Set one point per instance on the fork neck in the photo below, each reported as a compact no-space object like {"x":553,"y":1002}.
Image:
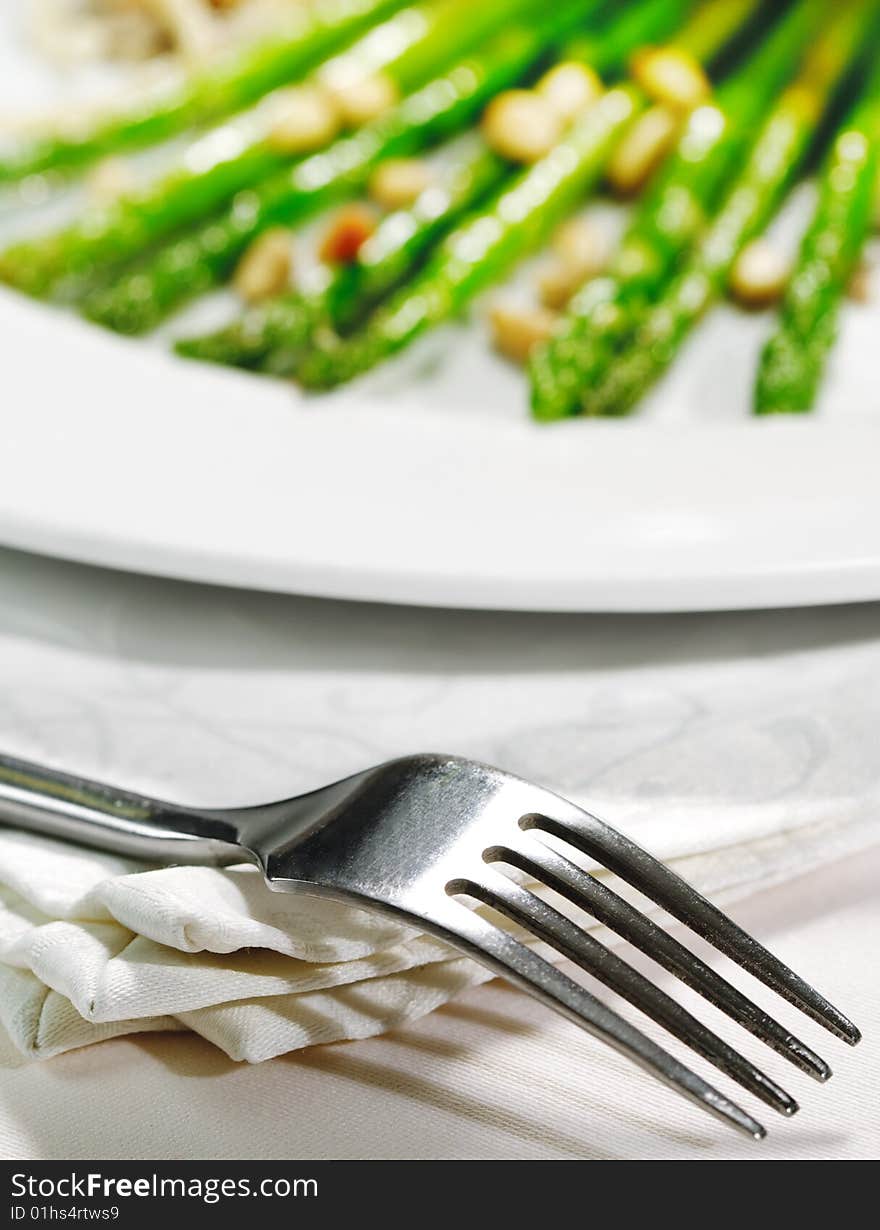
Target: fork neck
{"x":93,"y":814}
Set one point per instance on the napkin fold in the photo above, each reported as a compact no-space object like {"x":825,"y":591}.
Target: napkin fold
{"x":93,"y":946}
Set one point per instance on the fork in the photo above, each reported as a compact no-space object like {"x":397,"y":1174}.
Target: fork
{"x":427,"y":839}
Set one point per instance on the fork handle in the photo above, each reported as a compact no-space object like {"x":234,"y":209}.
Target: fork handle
{"x":90,"y":813}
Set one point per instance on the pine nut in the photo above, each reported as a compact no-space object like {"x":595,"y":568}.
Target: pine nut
{"x":399,"y":182}
{"x":569,"y":88}
{"x":580,"y":252}
{"x":516,"y":330}
{"x":521,"y":125}
{"x":860,"y":284}
{"x":110,"y":180}
{"x":643,"y":147}
{"x":671,"y":76}
{"x":365,"y":100}
{"x":266,"y":266}
{"x":305,"y":118}
{"x":759,"y":275}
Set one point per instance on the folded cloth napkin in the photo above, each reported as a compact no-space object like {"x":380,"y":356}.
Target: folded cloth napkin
{"x":93,"y":946}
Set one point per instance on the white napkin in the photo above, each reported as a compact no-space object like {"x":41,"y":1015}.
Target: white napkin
{"x":93,"y":946}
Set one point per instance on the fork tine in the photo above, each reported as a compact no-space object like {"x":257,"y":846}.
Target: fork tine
{"x":634,"y":865}
{"x":588,"y":893}
{"x":538,"y":978}
{"x":541,"y":920}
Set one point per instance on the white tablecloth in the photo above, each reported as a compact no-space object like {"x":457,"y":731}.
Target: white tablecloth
{"x":221,"y":697}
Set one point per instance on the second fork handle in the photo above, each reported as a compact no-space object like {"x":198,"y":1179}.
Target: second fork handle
{"x":90,"y":813}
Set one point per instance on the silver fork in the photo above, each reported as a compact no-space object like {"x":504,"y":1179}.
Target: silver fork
{"x":420,"y":838}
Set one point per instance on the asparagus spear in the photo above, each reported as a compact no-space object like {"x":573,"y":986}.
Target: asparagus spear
{"x":313,"y":32}
{"x":793,"y":360}
{"x":779,"y":151}
{"x":668,"y":221}
{"x":484,"y":248}
{"x":273,"y":335}
{"x":409,"y":48}
{"x":193,"y":264}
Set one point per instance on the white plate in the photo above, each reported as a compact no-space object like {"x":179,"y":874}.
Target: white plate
{"x":118,"y":454}
{"x":426,"y":483}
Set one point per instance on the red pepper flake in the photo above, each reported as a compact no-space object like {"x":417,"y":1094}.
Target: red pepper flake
{"x":348,"y":231}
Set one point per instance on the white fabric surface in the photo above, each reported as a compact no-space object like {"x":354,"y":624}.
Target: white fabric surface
{"x":742,"y":747}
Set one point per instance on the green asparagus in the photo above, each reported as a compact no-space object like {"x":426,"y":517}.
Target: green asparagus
{"x":314,"y":31}
{"x":779,"y":151}
{"x":273,"y":335}
{"x":607,"y":310}
{"x":794,"y":358}
{"x":202,"y":258}
{"x":485,"y":247}
{"x":410,"y":47}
